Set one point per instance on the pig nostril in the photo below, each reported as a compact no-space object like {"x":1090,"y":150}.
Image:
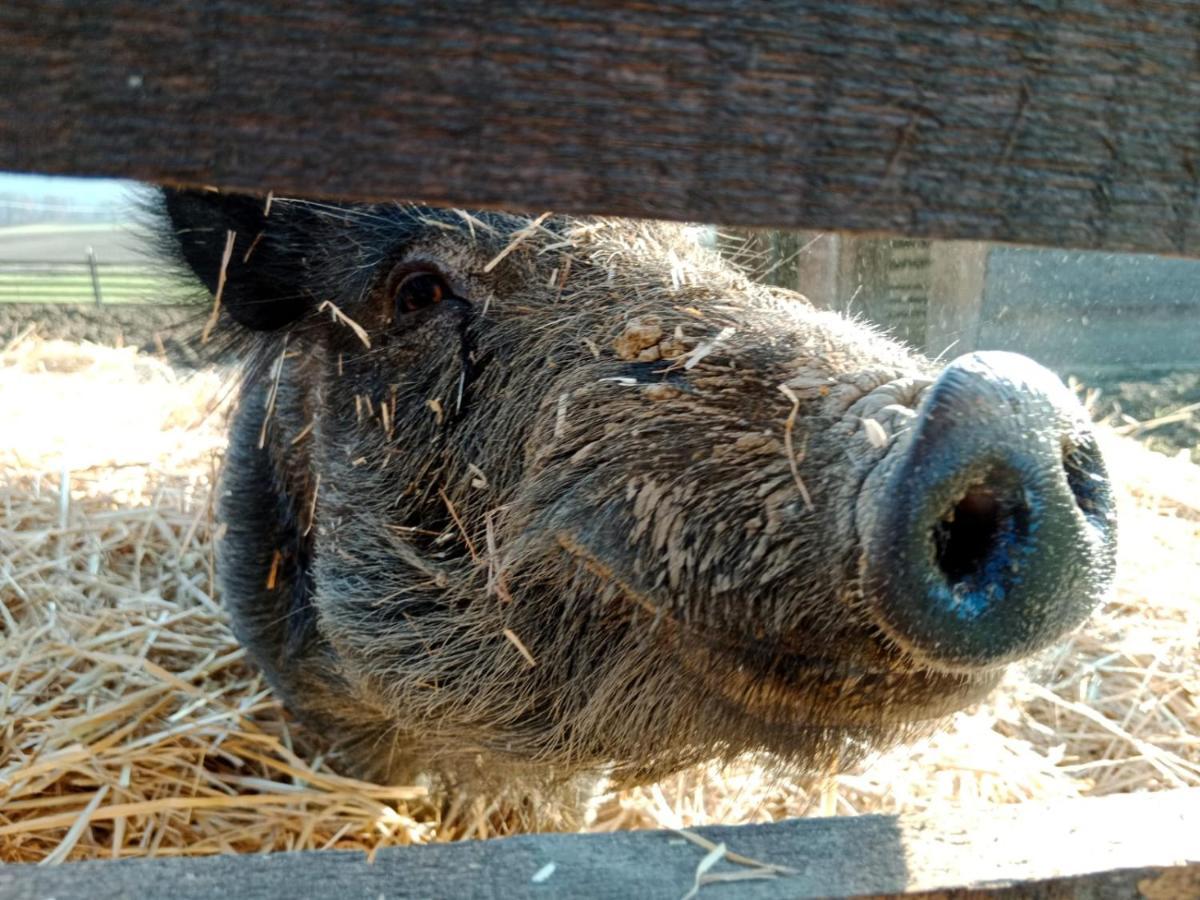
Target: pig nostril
{"x":1085,"y":476}
{"x":977,"y":535}
{"x":963,"y":537}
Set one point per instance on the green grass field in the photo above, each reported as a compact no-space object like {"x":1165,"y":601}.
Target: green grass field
{"x":118,"y":284}
{"x":50,"y":264}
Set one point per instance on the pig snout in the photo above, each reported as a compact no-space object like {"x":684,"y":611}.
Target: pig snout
{"x":991,"y":527}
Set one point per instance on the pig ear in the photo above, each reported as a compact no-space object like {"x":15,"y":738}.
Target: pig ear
{"x":263,"y":287}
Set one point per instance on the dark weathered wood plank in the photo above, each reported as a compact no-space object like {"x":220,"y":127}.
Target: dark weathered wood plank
{"x":1069,"y":123}
{"x":1123,"y":846}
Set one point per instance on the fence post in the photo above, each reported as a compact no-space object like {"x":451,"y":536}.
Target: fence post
{"x":91,"y":257}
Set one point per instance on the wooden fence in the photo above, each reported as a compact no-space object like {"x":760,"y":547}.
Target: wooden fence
{"x":1082,"y":313}
{"x":1138,"y":845}
{"x":1067,"y":123}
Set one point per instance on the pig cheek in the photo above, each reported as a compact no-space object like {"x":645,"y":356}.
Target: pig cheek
{"x":403,"y":384}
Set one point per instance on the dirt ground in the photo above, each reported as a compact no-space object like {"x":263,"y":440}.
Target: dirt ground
{"x":1162,"y":412}
{"x":154,"y":330}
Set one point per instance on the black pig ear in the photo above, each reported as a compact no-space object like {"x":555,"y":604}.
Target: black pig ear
{"x":264,"y":285}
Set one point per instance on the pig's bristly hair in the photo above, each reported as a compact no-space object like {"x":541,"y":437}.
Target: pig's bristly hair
{"x":342,"y":247}
{"x":528,"y":525}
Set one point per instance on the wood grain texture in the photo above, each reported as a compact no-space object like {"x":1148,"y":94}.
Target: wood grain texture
{"x":1139,"y":845}
{"x":1060,"y":122}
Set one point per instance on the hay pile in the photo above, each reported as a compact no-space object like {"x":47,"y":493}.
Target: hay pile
{"x":131,"y":724}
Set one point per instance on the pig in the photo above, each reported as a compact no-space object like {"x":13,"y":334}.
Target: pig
{"x":514,"y":503}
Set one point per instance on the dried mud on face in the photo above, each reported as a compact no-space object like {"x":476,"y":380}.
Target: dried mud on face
{"x":132,"y":724}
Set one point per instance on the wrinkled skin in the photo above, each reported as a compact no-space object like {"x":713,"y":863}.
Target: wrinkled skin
{"x":608,"y":506}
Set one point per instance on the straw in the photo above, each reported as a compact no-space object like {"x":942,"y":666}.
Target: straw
{"x":132,"y":724}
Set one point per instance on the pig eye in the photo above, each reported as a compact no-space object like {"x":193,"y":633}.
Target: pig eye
{"x":419,"y":290}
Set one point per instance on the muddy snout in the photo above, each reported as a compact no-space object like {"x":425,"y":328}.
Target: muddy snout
{"x":989,"y":530}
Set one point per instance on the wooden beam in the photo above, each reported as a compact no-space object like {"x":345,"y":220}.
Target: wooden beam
{"x":957,"y":277}
{"x":1145,"y":845}
{"x":1067,"y":123}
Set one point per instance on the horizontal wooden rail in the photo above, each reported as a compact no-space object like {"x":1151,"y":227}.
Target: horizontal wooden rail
{"x":1140,"y":845}
{"x":1070,"y":123}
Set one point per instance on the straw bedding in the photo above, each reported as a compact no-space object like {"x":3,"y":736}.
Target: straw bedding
{"x":132,"y":725}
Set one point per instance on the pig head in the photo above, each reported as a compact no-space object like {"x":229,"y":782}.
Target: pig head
{"x":561,"y":496}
